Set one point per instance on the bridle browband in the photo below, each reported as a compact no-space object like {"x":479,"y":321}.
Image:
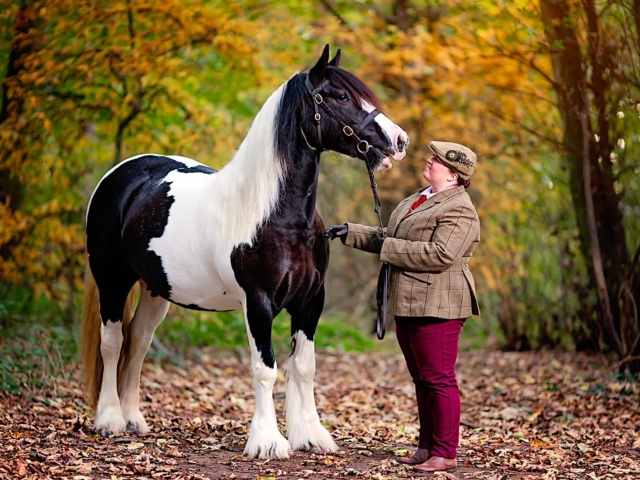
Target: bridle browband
{"x":362,"y":147}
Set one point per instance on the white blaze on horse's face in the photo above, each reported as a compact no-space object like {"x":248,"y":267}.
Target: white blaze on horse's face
{"x":399,"y":138}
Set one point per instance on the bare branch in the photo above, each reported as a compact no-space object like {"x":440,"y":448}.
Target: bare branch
{"x":553,"y":141}
{"x":596,"y":253}
{"x":524,"y":93}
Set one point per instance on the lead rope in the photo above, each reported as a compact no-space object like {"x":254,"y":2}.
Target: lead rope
{"x":362,"y":146}
{"x":383,"y":276}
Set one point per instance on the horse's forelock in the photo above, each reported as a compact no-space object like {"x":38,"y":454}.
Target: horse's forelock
{"x":355,"y":87}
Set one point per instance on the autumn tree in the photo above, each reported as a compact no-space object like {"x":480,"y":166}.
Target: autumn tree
{"x":588,"y":73}
{"x":91,"y":82}
{"x":514,"y":81}
{"x":536,"y":89}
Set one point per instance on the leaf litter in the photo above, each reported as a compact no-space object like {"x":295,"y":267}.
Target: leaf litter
{"x":546,"y":415}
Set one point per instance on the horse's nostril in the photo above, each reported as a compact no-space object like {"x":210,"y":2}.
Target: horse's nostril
{"x":401,"y":145}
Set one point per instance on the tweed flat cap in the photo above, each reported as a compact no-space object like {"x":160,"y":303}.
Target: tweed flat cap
{"x":459,"y":158}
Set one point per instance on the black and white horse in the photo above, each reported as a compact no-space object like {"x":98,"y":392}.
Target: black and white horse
{"x":245,"y":237}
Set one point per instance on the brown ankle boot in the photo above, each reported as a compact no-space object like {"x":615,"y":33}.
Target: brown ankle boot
{"x":410,"y":461}
{"x":437,"y":464}
{"x":417,"y":458}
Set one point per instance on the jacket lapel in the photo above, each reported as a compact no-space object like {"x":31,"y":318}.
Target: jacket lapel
{"x":399,"y":212}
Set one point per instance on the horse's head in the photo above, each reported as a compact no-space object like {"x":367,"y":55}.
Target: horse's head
{"x":346,"y":116}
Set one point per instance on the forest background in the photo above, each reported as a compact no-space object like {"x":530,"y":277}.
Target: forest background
{"x":547,"y":93}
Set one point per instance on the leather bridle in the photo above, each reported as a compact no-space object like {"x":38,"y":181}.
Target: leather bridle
{"x":362,"y":147}
{"x":357,"y":144}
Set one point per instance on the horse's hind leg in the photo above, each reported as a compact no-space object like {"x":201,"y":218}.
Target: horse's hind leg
{"x":150,"y":312}
{"x":304,"y":429}
{"x":113,"y":288}
{"x":265,"y":441}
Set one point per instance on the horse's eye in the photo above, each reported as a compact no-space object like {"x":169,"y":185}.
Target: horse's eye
{"x":343,"y":98}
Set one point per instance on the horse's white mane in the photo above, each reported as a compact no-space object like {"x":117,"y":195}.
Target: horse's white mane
{"x":247,"y":187}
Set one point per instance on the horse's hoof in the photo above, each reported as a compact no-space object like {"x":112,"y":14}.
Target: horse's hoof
{"x":267,"y":444}
{"x":133,"y":428}
{"x":311,"y":437}
{"x":136,"y":424}
{"x":277,"y":452}
{"x":110,"y":422}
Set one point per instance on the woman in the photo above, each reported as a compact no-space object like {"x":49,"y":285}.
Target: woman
{"x":431,"y":236}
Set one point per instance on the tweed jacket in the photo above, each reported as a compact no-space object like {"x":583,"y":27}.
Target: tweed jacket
{"x":428,"y":251}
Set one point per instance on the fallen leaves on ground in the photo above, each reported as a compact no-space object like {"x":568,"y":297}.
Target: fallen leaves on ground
{"x":541,"y":415}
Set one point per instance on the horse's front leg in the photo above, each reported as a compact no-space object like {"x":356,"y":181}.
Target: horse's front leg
{"x":303,"y":424}
{"x":265,"y":441}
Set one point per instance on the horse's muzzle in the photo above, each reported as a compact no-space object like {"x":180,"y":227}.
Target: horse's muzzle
{"x":400,"y":142}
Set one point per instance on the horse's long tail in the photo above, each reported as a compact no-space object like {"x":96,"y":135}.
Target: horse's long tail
{"x":91,"y":357}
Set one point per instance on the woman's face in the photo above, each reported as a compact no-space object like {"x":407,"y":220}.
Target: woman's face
{"x":436,"y":173}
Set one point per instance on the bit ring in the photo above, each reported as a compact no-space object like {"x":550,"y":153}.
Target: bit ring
{"x":366,"y":146}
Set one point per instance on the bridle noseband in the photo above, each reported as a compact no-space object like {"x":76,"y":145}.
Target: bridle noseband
{"x":362,"y":147}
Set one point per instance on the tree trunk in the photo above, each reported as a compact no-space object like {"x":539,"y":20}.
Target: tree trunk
{"x":607,"y":228}
{"x":569,"y":76}
{"x":11,"y":190}
{"x":616,"y":259}
{"x":596,"y":252}
{"x":636,"y":16}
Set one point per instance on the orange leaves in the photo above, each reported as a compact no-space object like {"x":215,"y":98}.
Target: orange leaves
{"x":43,"y":247}
{"x":97,"y":68}
{"x":199,"y":415}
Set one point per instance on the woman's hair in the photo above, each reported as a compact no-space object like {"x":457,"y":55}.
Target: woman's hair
{"x":463,"y":182}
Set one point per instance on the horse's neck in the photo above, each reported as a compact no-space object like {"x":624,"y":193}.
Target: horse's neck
{"x":257,"y":185}
{"x":299,"y":189}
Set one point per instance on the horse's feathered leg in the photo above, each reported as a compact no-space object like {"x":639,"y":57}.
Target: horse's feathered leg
{"x":265,"y":441}
{"x":114,"y":280}
{"x":150,"y":312}
{"x":304,"y":429}
{"x":109,"y":418}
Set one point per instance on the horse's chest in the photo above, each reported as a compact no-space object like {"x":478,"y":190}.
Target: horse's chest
{"x":291,"y":263}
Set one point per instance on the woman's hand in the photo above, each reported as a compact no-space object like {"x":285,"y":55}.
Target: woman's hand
{"x":334,"y":231}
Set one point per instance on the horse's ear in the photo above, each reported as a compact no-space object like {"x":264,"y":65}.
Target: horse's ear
{"x":336,"y":60}
{"x":318,"y":72}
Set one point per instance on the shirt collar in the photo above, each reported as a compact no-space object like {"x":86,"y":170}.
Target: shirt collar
{"x":428,"y":193}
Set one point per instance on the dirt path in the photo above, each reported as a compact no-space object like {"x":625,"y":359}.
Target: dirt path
{"x":542,"y":415}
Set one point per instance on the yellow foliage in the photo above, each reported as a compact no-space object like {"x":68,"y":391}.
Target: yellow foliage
{"x":187,"y":78}
{"x":93,"y":66}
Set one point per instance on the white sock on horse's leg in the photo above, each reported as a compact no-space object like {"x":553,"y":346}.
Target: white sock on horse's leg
{"x":304,"y":429}
{"x":109,"y":418}
{"x":265,"y":440}
{"x":150,"y":312}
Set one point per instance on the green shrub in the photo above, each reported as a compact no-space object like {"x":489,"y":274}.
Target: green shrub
{"x":188,"y":331}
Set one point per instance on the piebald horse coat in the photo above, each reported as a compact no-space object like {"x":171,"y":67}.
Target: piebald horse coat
{"x":245,"y":237}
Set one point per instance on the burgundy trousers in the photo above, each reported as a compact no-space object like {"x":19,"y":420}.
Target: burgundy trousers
{"x":430,"y":347}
